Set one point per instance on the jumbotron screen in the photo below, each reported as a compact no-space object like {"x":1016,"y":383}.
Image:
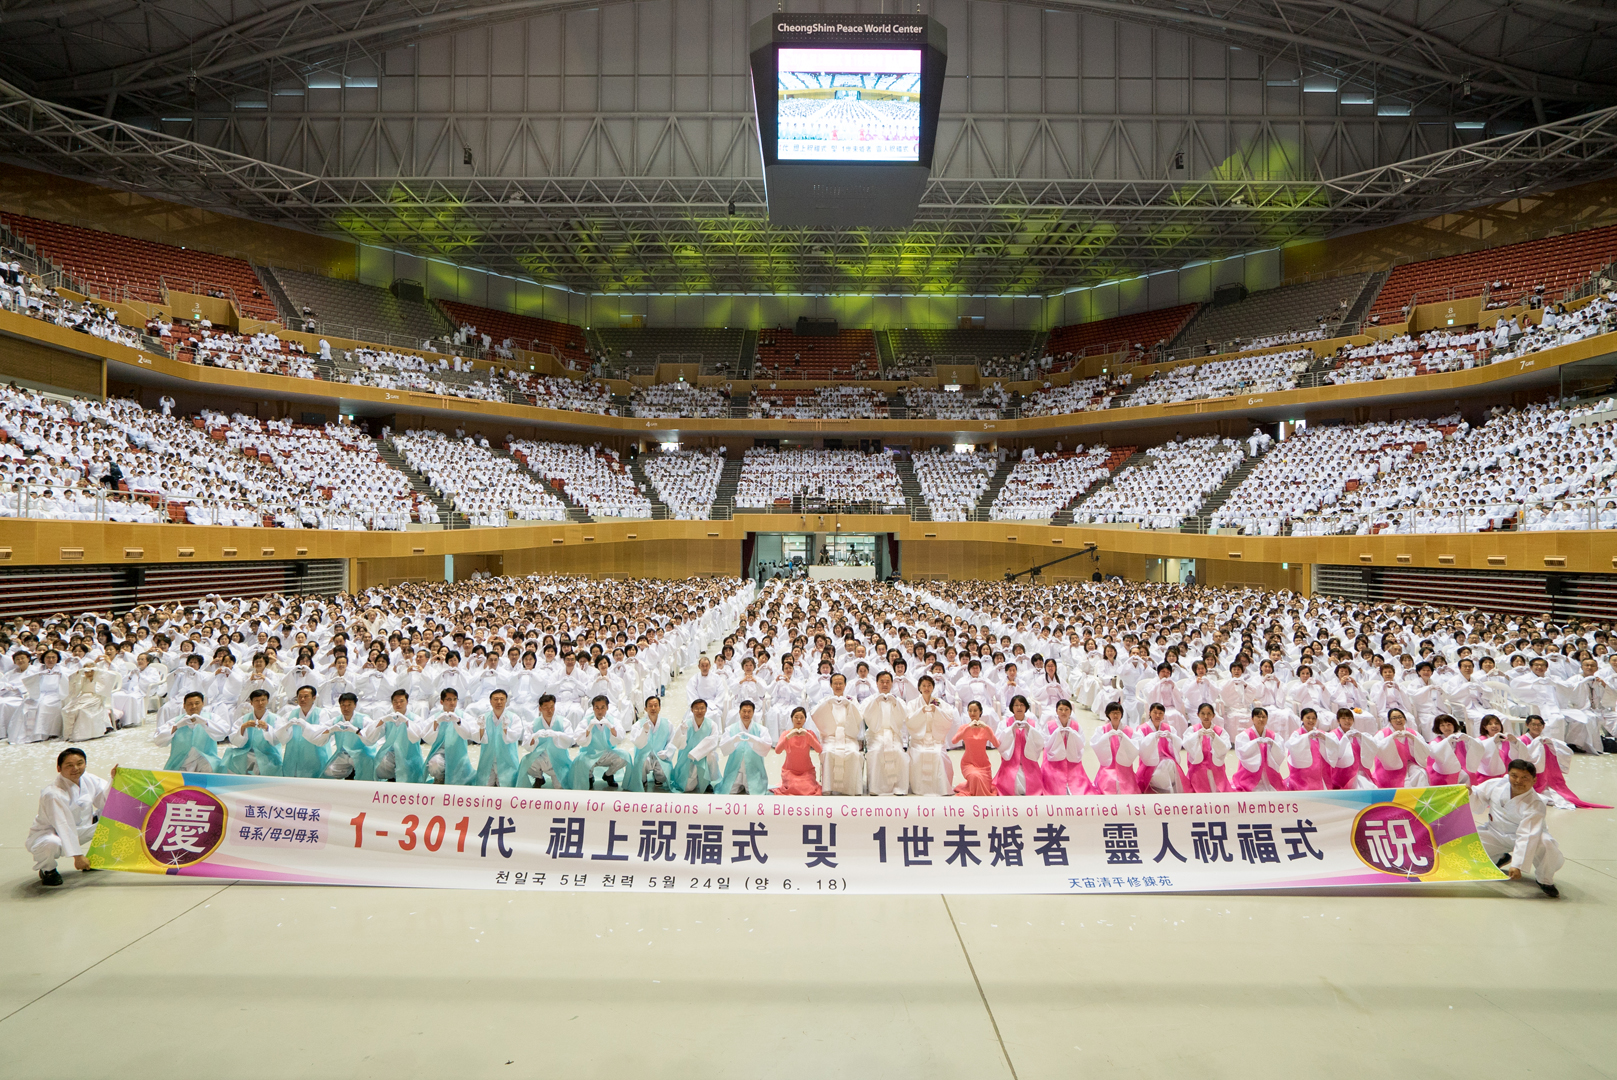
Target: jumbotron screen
{"x":843,"y":105}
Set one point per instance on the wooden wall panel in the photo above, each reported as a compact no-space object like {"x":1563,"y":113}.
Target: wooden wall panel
{"x":44,"y":367}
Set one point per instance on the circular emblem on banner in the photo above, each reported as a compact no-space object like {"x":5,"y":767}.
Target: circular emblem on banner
{"x":1394,"y":840}
{"x":184,"y":827}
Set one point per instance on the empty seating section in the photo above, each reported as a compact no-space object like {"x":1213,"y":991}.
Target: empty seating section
{"x":1276,"y":316}
{"x":350,"y":309}
{"x":958,"y":346}
{"x":524,"y":331}
{"x":118,"y":265}
{"x":1120,"y":334}
{"x":1508,"y":273}
{"x":783,"y":354}
{"x":641,"y":350}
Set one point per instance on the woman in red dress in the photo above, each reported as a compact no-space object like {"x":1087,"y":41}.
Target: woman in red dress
{"x":977,"y":735}
{"x":797,"y":775}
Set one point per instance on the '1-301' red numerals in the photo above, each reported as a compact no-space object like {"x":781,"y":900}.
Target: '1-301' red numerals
{"x":432,"y":837}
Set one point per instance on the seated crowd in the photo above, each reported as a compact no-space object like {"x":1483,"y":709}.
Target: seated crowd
{"x":1080,"y":395}
{"x":486,"y":488}
{"x":823,"y":403}
{"x":686,"y":480}
{"x":985,"y":404}
{"x":771,"y":476}
{"x":88,"y":459}
{"x":1243,"y":375}
{"x":952,"y":482}
{"x":1042,"y":484}
{"x":559,"y":683}
{"x":680,"y":399}
{"x":592,"y":476}
{"x":1170,"y":484}
{"x":1310,"y":471}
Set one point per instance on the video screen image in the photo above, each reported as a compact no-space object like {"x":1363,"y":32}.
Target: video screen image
{"x":849,"y":105}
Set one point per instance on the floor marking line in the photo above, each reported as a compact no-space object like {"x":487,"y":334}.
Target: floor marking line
{"x":989,"y":1009}
{"x":115,"y":952}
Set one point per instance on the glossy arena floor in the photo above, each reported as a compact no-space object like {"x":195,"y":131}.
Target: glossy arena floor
{"x":129,"y":976}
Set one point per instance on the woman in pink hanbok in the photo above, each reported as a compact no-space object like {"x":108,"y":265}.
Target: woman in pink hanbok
{"x":1259,"y":755}
{"x":1117,"y":753}
{"x":1206,"y":745}
{"x":1063,"y":764}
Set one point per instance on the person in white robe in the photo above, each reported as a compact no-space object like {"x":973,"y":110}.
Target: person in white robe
{"x":887,"y":767}
{"x":929,"y":724}
{"x":87,"y":712}
{"x":51,"y":693}
{"x":839,"y":725}
{"x":1514,"y":834}
{"x":17,"y":707}
{"x":68,"y":811}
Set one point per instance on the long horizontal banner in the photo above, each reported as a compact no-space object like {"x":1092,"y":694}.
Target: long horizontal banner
{"x":329,"y":832}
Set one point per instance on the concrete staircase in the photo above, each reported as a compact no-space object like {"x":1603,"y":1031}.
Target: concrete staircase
{"x":659,"y":509}
{"x":884,"y":349}
{"x":985,"y":501}
{"x":1367,"y":297}
{"x":749,"y":347}
{"x":448,"y":516}
{"x":290,"y":317}
{"x":919,"y":510}
{"x":724,"y":499}
{"x":1197,"y":522}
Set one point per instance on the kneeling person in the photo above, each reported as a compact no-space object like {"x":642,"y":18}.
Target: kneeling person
{"x":68,"y":811}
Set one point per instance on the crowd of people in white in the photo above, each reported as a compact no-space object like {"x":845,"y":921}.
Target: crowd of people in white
{"x":686,"y":480}
{"x":22,"y":293}
{"x":1537,"y":468}
{"x":1170,"y":484}
{"x":952,"y":482}
{"x":984,"y":404}
{"x":823,"y":403}
{"x":1041,"y":484}
{"x":68,"y":457}
{"x":768,"y":475}
{"x":593,"y":476}
{"x":1243,"y":375}
{"x":487,"y":488}
{"x":680,"y":398}
{"x":550,"y":681}
{"x":262,"y":352}
{"x":341,"y":463}
{"x":1080,"y":395}
{"x":1309,"y":472}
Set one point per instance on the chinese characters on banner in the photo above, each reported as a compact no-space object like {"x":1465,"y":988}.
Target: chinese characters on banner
{"x":357,"y":833}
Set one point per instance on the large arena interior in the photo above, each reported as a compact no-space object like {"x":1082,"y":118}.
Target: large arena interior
{"x":1146,"y":473}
